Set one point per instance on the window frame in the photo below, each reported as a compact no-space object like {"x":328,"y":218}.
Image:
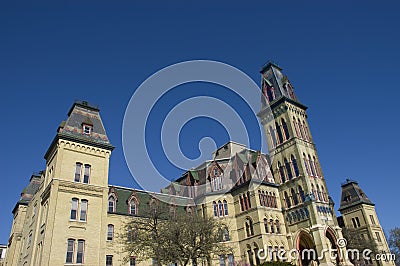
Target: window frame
{"x":83,"y":211}
{"x":110,"y":232}
{"x":82,"y":258}
{"x":74,"y":209}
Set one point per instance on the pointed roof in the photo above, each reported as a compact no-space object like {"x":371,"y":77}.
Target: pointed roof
{"x":352,"y":195}
{"x":82,"y":113}
{"x":275,"y":84}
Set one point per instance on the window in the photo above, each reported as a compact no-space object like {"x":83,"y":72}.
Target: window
{"x":306,"y":164}
{"x":132,"y":261}
{"x":83,"y":214}
{"x":231,"y":260}
{"x":133,"y":207}
{"x":281,"y":172}
{"x":111,"y":204}
{"x":271,"y":222}
{"x":86,"y":174}
{"x":86,"y":129}
{"x":287,"y":199}
{"x":215,"y":209}
{"x":110,"y":232}
{"x":80,"y":251}
{"x":371,"y":217}
{"x":295,"y":167}
{"x":129,"y":234}
{"x":378,"y":237}
{"x":221,"y":209}
{"x":29,"y":239}
{"x":222,"y":260}
{"x":70,"y":251}
{"x":358,"y":222}
{"x":266,"y":226}
{"x":74,"y":209}
{"x":278,"y":129}
{"x":225,"y":208}
{"x":226,"y":234}
{"x":285,"y":129}
{"x":301,"y":192}
{"x":109,"y":260}
{"x":312,"y":166}
{"x":278,"y":227}
{"x":249,"y":227}
{"x":288,"y":169}
{"x":294,"y":197}
{"x":78,"y":172}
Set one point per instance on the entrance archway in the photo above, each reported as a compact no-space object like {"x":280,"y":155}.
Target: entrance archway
{"x":306,"y":247}
{"x":333,"y":244}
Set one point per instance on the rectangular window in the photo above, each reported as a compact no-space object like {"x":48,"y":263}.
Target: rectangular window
{"x":221,"y":260}
{"x":86,"y":174}
{"x":74,"y":209}
{"x":132,"y":261}
{"x":378,"y":237}
{"x":80,"y":251}
{"x":70,"y":250}
{"x":78,"y":171}
{"x":110,"y":232}
{"x":231,"y":260}
{"x":109,"y":260}
{"x":82,"y":216}
{"x":372,"y":219}
{"x":87,"y":129}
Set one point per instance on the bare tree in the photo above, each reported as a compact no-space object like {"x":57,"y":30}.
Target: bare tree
{"x":394,"y":243}
{"x":356,"y":241}
{"x":180,"y":238}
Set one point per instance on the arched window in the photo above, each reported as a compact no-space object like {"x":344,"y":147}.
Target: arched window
{"x":111,"y":203}
{"x":287,"y":199}
{"x":226,"y":234}
{"x":273,"y":137}
{"x":220,"y":209}
{"x":241,"y":203}
{"x":281,"y":172}
{"x":301,"y":192}
{"x":266,"y":225}
{"x":225,"y":208}
{"x":271,"y":222}
{"x":311,"y":165}
{"x":294,"y":197}
{"x":110,"y":232}
{"x":296,"y":127}
{"x":295,"y":167}
{"x":133,"y":208}
{"x":274,"y":201}
{"x":317,"y":171}
{"x":306,"y":131}
{"x":301,"y":129}
{"x":248,"y":199}
{"x":129,"y":235}
{"x":313,"y":191}
{"x":319,"y":193}
{"x":285,"y":129}
{"x":215,"y":209}
{"x":324,"y":194}
{"x":278,"y":227}
{"x":288,"y":169}
{"x":279,"y":131}
{"x":245,"y":202}
{"x":306,"y":164}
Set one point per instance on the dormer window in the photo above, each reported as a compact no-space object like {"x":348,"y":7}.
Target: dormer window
{"x":87,"y":129}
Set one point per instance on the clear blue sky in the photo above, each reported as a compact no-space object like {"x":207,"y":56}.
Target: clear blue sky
{"x":342,"y":58}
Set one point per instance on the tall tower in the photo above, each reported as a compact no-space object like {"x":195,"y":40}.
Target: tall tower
{"x":358,"y":212}
{"x":65,"y":208}
{"x":308,"y":209}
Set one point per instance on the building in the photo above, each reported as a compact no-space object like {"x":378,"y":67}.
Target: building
{"x":69,"y":214}
{"x":3,"y":250}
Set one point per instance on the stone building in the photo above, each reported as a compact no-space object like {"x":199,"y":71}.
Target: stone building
{"x":69,"y":214}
